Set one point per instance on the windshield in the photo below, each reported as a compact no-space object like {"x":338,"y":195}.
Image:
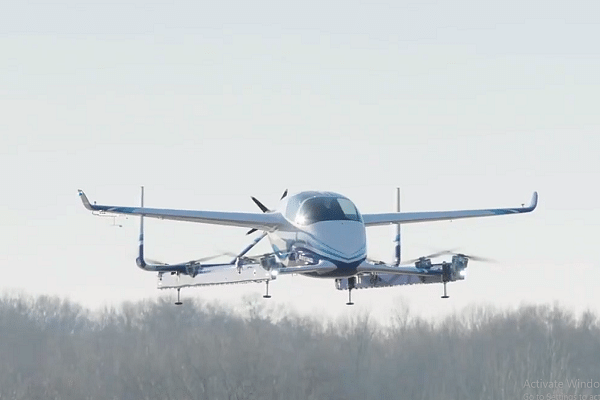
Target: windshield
{"x":318,"y":209}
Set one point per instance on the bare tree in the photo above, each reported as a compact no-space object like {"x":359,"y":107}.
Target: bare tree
{"x":54,"y":349}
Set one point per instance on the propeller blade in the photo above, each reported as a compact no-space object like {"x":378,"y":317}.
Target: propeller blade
{"x":477,"y":258}
{"x":198,"y":260}
{"x":228,"y":253}
{"x":284,"y":194}
{"x":255,"y":258}
{"x":208,"y":258}
{"x":432,"y":255}
{"x":260,"y":205}
{"x":251,"y":231}
{"x":149,"y":261}
{"x":452,"y":252}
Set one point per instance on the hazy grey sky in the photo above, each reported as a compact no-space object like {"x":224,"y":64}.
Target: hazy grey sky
{"x":463,"y":104}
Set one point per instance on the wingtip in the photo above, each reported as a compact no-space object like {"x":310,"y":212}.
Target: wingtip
{"x":84,"y":200}
{"x":534,"y":201}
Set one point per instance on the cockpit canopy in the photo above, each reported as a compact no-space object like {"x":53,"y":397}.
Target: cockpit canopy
{"x":310,"y":207}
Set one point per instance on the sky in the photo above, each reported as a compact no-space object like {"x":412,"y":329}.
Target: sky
{"x":462,"y":104}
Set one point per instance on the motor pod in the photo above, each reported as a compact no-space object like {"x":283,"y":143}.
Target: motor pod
{"x":270,"y":262}
{"x":192,"y":269}
{"x":459,"y":265}
{"x":424,"y":263}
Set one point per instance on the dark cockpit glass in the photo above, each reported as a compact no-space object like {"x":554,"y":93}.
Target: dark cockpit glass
{"x":317,"y":209}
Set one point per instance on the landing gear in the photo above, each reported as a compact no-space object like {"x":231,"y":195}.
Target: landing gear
{"x":445,"y":296}
{"x":351,"y":284}
{"x":178,"y":302}
{"x":267,"y":296}
{"x":446,"y":276}
{"x":349,"y":303}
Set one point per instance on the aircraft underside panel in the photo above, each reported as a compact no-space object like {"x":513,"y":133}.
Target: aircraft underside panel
{"x":368,"y":281}
{"x":230,"y":276}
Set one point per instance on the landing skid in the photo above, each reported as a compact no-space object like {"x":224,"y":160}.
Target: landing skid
{"x":178,"y":302}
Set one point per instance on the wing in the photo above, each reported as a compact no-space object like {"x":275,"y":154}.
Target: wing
{"x":411,"y":217}
{"x":264,"y":221}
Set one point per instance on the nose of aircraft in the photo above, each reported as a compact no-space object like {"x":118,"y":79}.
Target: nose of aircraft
{"x":343,"y":240}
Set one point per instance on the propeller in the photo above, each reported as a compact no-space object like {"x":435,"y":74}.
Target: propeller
{"x":454,"y":253}
{"x":260,"y":205}
{"x":198,"y":260}
{"x":252,"y":258}
{"x":263,"y":208}
{"x":432,"y":255}
{"x":255,"y":258}
{"x":476,"y":258}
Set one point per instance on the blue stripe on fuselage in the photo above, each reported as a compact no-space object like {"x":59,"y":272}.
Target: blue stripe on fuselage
{"x":343,"y":270}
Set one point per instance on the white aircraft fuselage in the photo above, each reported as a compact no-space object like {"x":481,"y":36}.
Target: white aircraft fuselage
{"x":323,"y":227}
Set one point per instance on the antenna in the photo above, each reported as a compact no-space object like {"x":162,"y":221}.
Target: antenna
{"x":397,"y":237}
{"x":140,"y":259}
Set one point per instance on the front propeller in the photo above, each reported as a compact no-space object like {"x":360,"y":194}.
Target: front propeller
{"x":260,"y":205}
{"x":263,"y":208}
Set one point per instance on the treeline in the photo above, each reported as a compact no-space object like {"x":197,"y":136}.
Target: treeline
{"x":55,"y":349}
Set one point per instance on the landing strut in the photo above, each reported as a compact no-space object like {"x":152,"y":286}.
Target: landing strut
{"x":351,"y":284}
{"x":349,"y":303}
{"x":267,"y":296}
{"x":445,"y":296}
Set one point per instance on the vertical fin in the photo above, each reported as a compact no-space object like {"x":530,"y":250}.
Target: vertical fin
{"x":140,"y":260}
{"x":397,"y":238}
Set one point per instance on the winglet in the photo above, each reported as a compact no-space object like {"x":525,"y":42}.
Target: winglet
{"x":85,"y":201}
{"x":534,"y":202}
